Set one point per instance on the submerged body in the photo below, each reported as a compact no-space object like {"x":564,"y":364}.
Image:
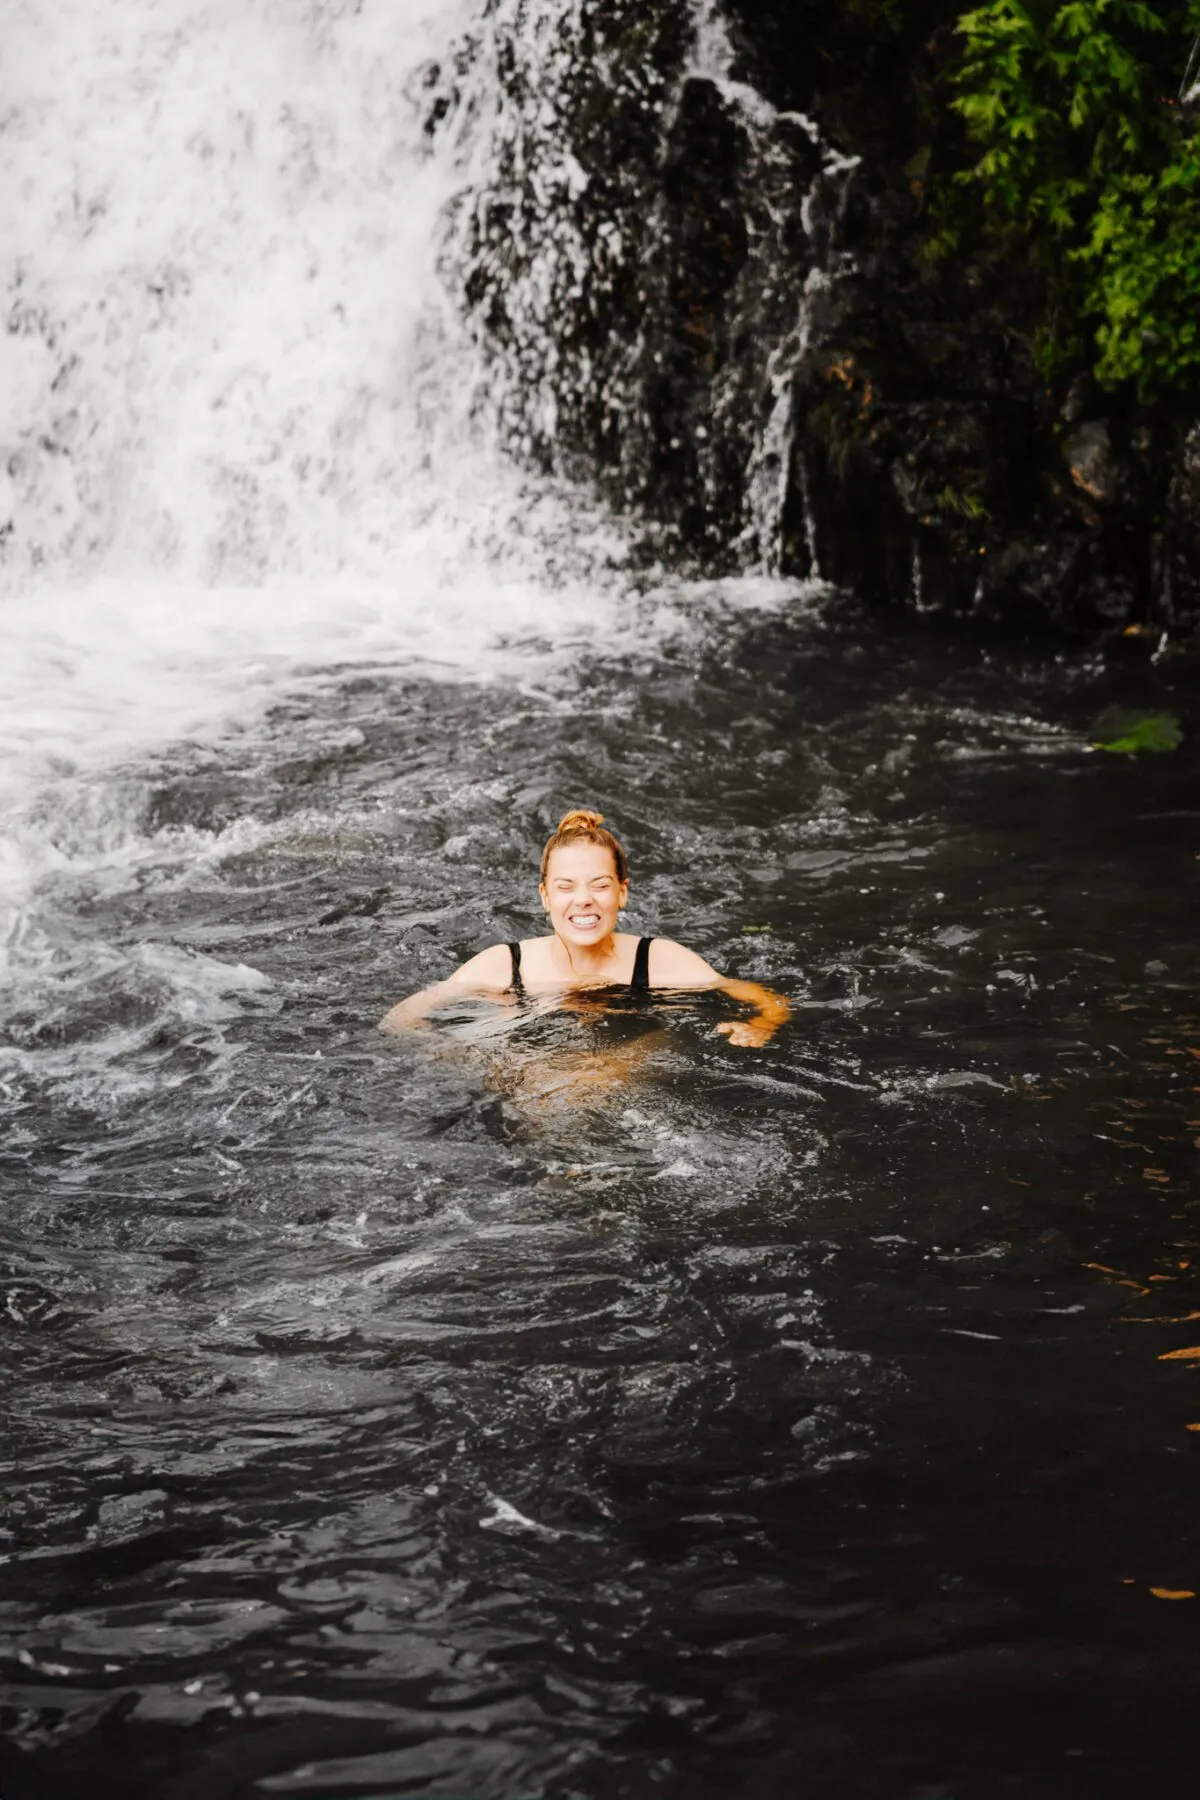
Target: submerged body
{"x":584,"y":888}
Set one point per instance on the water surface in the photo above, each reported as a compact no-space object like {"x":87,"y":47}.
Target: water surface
{"x":574,"y":1404}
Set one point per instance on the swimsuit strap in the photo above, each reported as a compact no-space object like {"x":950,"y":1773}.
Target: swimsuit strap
{"x":517,"y":985}
{"x":640,"y":983}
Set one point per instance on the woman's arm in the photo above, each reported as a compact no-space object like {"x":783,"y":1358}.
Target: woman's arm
{"x":489,"y":972}
{"x":674,"y":965}
{"x":771,"y":1011}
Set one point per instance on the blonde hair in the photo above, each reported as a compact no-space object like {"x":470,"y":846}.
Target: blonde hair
{"x":583,"y":827}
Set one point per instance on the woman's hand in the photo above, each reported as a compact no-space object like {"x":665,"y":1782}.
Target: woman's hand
{"x":751,"y":1034}
{"x":771,"y":1011}
{"x":413,"y":1014}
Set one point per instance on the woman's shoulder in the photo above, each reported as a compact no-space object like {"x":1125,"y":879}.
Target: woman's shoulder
{"x":674,"y":965}
{"x":491,"y":968}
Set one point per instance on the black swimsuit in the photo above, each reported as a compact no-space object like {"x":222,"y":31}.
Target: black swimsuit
{"x":639,"y":982}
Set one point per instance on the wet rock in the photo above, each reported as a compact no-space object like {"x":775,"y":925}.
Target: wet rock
{"x":1180,"y":584}
{"x":1088,"y":454}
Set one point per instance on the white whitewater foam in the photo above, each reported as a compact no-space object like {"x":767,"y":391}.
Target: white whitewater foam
{"x":218,"y":250}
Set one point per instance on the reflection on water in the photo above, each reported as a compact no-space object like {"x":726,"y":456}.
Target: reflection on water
{"x":565,"y":1402}
{"x":560,"y":1057}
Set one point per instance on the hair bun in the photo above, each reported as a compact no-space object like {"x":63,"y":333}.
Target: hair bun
{"x":584,"y":825}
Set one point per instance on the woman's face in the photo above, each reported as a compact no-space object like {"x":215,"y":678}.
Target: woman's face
{"x":581,"y":892}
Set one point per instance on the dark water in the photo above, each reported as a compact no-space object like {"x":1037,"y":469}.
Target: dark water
{"x":573,"y":1404}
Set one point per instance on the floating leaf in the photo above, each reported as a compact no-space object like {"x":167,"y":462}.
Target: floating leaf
{"x":756,"y":930}
{"x":1180,"y":1319}
{"x":1173,"y":1593}
{"x":1192,"y":1354}
{"x":1129,"y":733}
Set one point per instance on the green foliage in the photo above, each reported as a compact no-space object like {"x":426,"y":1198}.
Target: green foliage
{"x":1086,"y":164}
{"x":966,"y":505}
{"x":1143,"y":264}
{"x":1127,"y":733}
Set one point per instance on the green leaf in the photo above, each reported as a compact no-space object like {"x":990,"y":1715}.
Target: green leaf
{"x":1130,"y":733}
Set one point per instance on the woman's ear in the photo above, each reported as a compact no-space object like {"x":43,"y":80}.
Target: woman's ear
{"x":623,"y":895}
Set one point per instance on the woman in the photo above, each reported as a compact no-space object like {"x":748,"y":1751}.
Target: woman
{"x":584,"y":886}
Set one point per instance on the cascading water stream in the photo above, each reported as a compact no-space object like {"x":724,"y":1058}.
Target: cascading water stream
{"x":646,"y":258}
{"x":776,"y":461}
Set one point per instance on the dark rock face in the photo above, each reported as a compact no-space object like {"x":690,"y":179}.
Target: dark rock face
{"x":1180,"y":577}
{"x":695,"y":265}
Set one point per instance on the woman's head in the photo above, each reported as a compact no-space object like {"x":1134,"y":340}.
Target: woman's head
{"x":585,"y":876}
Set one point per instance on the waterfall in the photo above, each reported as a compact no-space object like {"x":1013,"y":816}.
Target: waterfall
{"x":325,"y":322}
{"x":238,"y":411}
{"x":222,"y":340}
